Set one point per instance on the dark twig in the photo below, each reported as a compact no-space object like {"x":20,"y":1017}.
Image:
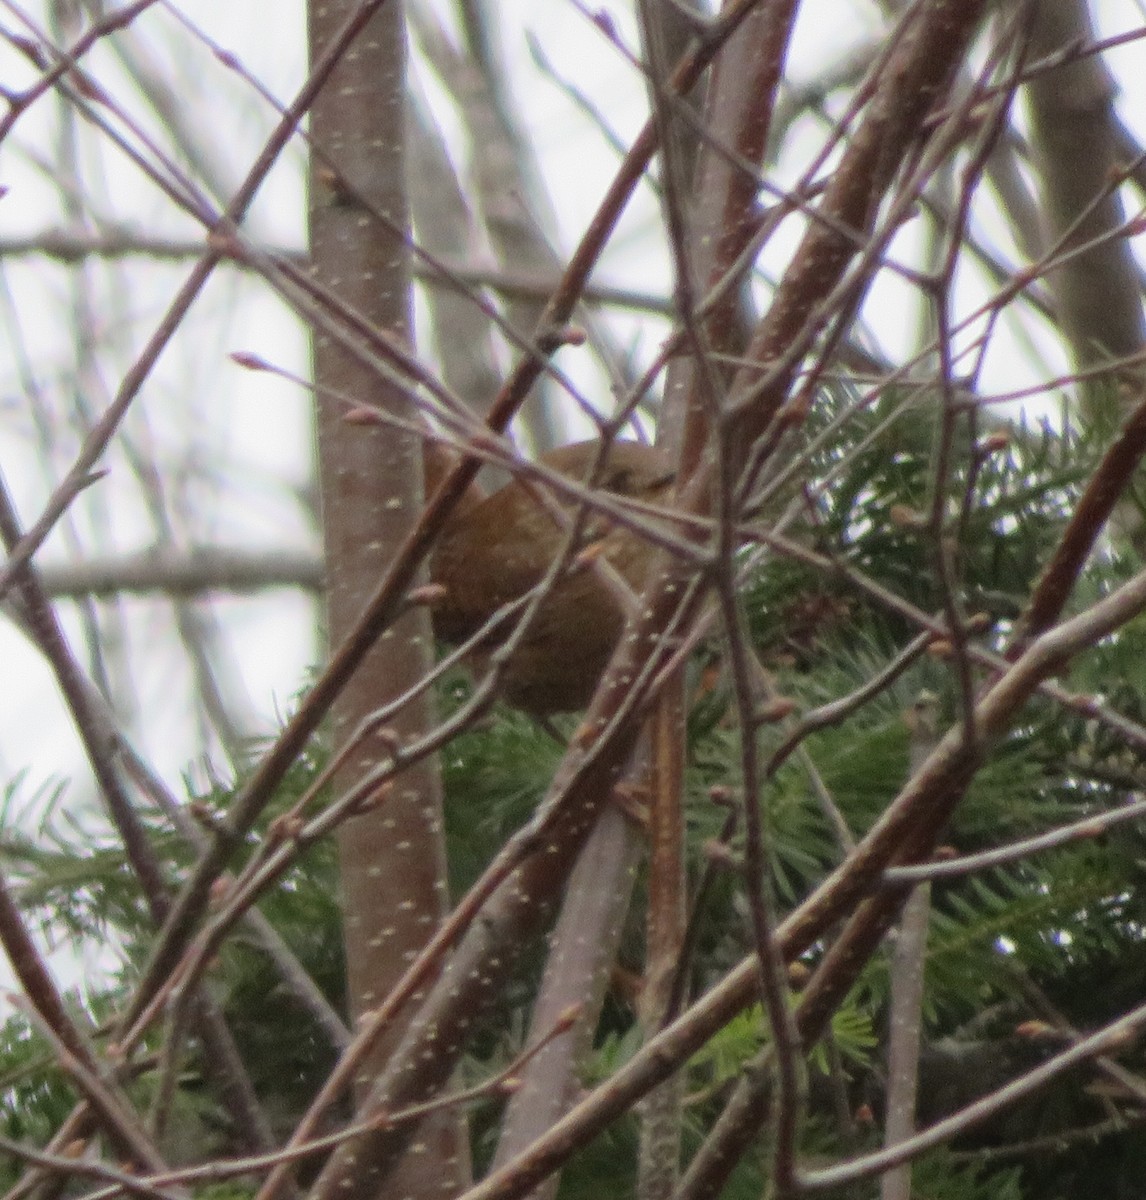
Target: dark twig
{"x":113,"y":1111}
{"x":104,"y":429}
{"x":98,"y":736}
{"x":120,"y":1182}
{"x":908,"y":827}
{"x":839,"y":710}
{"x":772,"y":976}
{"x":1114,"y":1037}
{"x":1128,"y":730}
{"x":1127,"y":1081}
{"x":42,"y":1000}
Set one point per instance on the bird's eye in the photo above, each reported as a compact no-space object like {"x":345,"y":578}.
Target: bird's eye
{"x":620,"y":481}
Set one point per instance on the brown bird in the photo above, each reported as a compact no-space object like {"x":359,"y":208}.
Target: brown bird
{"x":496,"y":549}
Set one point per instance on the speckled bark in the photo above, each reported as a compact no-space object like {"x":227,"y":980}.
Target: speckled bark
{"x":392,"y":862}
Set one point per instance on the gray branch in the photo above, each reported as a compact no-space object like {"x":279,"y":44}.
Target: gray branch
{"x":182,"y":573}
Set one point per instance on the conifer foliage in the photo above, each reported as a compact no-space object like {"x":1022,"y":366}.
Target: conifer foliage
{"x":834,"y":886}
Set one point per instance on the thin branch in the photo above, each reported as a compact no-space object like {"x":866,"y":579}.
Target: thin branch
{"x":840,"y":709}
{"x":1116,"y":1036}
{"x":196,"y":572}
{"x":1021,"y":851}
{"x":43,"y":1000}
{"x":905,"y":992}
{"x":908,"y":827}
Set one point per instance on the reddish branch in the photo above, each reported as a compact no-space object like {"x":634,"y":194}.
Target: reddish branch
{"x":1107,"y":486}
{"x":906,"y":832}
{"x":936,"y":37}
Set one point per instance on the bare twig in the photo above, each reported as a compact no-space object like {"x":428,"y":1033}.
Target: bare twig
{"x":1109,"y":1040}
